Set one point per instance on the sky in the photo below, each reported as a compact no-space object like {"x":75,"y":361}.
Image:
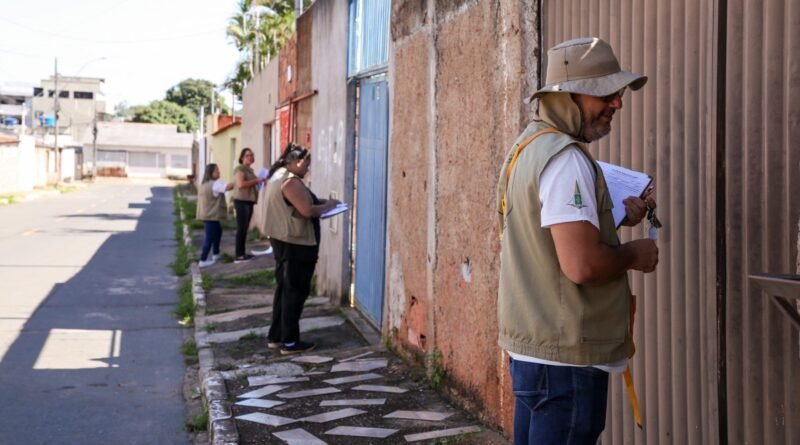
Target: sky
{"x":140,"y":47}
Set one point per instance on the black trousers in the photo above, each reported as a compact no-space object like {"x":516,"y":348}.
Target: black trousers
{"x":244,"y":212}
{"x":293,"y":271}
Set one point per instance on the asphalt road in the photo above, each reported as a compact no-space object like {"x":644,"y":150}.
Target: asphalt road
{"x":89,"y":348}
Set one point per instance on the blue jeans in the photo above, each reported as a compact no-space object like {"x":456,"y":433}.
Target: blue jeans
{"x":558,"y":404}
{"x":212,"y":239}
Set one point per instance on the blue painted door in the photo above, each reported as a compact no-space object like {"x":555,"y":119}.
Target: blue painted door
{"x":373,"y":144}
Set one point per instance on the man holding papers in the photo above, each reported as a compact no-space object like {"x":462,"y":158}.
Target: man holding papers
{"x":564,"y":303}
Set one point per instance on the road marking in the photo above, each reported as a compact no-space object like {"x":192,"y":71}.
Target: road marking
{"x":29,"y":232}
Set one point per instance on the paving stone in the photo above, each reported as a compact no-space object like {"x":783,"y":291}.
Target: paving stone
{"x":333,"y":415}
{"x":261,"y":392}
{"x":315,"y":359}
{"x":434,"y":416}
{"x":273,"y":380}
{"x":355,"y":431}
{"x":235,"y":315}
{"x":260,"y":403}
{"x":299,"y":436}
{"x":266,"y":419}
{"x":356,"y":356}
{"x":306,"y":325}
{"x":442,"y":433}
{"x":381,"y":388}
{"x":315,"y":373}
{"x":360,"y":366}
{"x":353,"y":378}
{"x":282,"y":369}
{"x":309,"y":393}
{"x":352,"y":402}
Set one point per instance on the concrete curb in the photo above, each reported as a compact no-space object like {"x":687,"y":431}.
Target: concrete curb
{"x":221,"y":427}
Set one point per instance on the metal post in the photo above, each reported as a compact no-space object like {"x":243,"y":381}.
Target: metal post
{"x":56,"y":109}
{"x":94,"y":145}
{"x":258,"y":53}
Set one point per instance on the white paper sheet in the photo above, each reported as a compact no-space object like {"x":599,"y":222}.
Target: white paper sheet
{"x":340,"y":208}
{"x":218,"y":187}
{"x":623,"y":183}
{"x":261,"y":175}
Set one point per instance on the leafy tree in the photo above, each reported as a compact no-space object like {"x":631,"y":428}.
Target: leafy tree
{"x":123,"y":110}
{"x":166,"y":112}
{"x":259,"y":29}
{"x":196,"y":93}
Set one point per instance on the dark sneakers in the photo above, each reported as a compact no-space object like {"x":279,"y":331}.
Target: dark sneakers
{"x":297,"y":347}
{"x":242,"y":259}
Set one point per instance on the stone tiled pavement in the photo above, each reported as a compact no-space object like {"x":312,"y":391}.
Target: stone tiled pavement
{"x":366,"y":390}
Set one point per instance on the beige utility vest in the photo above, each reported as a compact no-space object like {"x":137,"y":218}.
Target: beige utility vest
{"x":541,"y":313}
{"x":284,"y":222}
{"x":210,"y":207}
{"x":246,"y":194}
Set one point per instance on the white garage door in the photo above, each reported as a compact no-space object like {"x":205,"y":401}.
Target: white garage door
{"x":146,"y":164}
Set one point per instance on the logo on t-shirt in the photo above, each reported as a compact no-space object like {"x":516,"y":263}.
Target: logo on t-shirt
{"x":577,"y":200}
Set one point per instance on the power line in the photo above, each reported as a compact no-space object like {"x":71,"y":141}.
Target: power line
{"x":113,"y":42}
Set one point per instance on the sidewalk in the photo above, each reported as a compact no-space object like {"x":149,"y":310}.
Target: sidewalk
{"x":350,"y":390}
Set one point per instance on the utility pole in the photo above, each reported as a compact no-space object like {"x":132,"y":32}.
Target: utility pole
{"x":94,"y":144}
{"x":56,"y":109}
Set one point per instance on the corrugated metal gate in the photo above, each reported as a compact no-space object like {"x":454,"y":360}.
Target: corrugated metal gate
{"x":373,"y":137}
{"x":716,"y":125}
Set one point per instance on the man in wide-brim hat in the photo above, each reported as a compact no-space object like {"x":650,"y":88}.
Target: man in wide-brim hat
{"x":564,"y":302}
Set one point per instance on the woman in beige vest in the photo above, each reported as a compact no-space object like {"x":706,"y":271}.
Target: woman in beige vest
{"x":211,"y":209}
{"x":245,"y":196}
{"x":292,"y":225}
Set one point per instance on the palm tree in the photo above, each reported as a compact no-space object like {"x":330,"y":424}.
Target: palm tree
{"x":259,"y":29}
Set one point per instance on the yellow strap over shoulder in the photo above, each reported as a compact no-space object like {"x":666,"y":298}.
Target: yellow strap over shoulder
{"x":521,"y":146}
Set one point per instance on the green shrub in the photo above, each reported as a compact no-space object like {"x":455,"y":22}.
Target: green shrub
{"x":186,"y":307}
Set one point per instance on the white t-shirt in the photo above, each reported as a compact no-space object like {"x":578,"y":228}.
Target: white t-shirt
{"x":567,"y":194}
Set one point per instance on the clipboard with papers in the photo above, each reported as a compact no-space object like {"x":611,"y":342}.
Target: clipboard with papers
{"x":340,"y":208}
{"x":622,"y":183}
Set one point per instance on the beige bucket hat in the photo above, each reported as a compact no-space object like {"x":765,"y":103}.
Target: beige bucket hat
{"x":586,"y":65}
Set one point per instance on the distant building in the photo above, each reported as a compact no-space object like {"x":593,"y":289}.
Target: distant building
{"x":15,"y":104}
{"x":223,"y":143}
{"x":80,"y":101}
{"x":139,"y":150}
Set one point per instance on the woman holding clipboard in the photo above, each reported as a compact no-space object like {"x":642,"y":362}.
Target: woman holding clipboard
{"x":293,"y":228}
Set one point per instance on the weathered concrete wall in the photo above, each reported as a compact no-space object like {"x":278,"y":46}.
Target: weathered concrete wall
{"x":287,"y":62}
{"x":19,"y":167}
{"x":305,"y":25}
{"x":459,"y":71}
{"x":259,"y":129}
{"x":332,"y":162}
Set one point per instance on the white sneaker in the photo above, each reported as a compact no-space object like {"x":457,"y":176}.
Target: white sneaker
{"x":207,"y":263}
{"x":216,"y":257}
{"x":262,"y":252}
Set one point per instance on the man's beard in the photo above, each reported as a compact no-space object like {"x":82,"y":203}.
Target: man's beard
{"x":596,"y":129}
